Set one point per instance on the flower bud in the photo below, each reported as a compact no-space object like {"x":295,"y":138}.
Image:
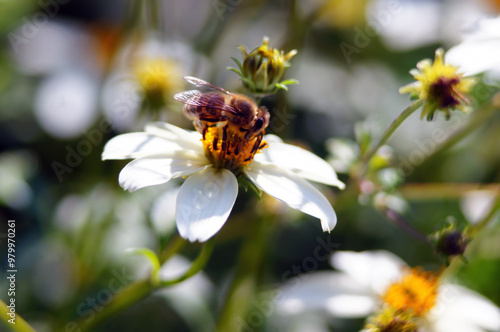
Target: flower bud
{"x":450,"y":242}
{"x":263,"y":68}
{"x":440,"y":86}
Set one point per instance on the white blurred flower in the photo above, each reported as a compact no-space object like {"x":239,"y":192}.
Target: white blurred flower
{"x":163,"y":211}
{"x":53,"y":46}
{"x":66,"y":103}
{"x":206,"y":198}
{"x":367,"y":280}
{"x":149,"y":70}
{"x":344,"y":153}
{"x":480,"y":50}
{"x":398,"y":22}
{"x":15,"y":168}
{"x":477,"y":204}
{"x":66,"y":56}
{"x":120,"y":220}
{"x":407,"y":24}
{"x":191,"y":297}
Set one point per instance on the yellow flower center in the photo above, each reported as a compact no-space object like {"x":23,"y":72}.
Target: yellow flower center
{"x":440,"y":85}
{"x":416,"y":291}
{"x":158,"y":75}
{"x":226,"y":146}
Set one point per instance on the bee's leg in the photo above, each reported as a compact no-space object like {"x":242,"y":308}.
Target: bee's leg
{"x":247,"y":133}
{"x":214,"y":143}
{"x":204,"y":132}
{"x":224,"y":139}
{"x":257,"y":143}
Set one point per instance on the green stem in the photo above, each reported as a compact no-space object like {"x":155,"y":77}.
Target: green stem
{"x":198,"y":265}
{"x":174,"y":246}
{"x":139,"y":290}
{"x":405,"y":225}
{"x":389,"y":131}
{"x":478,"y":118}
{"x":20,"y":324}
{"x":122,"y":300}
{"x":244,"y":285}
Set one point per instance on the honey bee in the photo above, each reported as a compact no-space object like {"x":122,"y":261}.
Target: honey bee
{"x":211,"y":105}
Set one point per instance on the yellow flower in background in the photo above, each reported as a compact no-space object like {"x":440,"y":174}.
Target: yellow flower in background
{"x":440,"y":86}
{"x":159,"y":77}
{"x":415,"y":291}
{"x":343,"y":13}
{"x":396,"y":297}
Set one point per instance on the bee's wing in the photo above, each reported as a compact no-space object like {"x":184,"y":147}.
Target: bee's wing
{"x":204,"y":85}
{"x":198,"y":98}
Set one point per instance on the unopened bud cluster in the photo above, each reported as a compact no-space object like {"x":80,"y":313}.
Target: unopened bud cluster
{"x":263,"y":68}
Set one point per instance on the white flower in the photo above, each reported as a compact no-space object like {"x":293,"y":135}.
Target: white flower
{"x":480,"y":49}
{"x":205,"y":199}
{"x":369,"y":279}
{"x":147,"y":71}
{"x":476,"y":204}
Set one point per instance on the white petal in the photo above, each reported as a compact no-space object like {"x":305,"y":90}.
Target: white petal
{"x":137,"y":145}
{"x":294,"y":191}
{"x":191,"y":139}
{"x":475,"y":57}
{"x":151,"y":171}
{"x":476,"y":204}
{"x":159,"y":138}
{"x":334,"y":292}
{"x":270,"y":138}
{"x":375,"y":270}
{"x":302,"y":162}
{"x":204,"y":203}
{"x":459,"y":305}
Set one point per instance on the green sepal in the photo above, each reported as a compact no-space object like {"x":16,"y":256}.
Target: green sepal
{"x":238,"y":63}
{"x":248,"y":185}
{"x":281,"y":86}
{"x":289,"y":82}
{"x":234,"y":70}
